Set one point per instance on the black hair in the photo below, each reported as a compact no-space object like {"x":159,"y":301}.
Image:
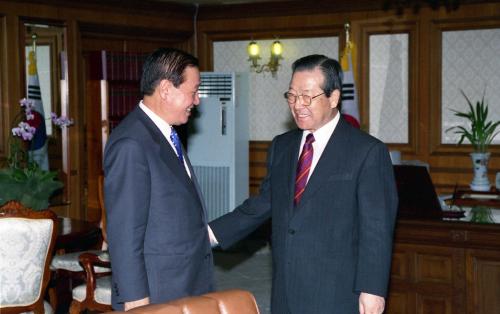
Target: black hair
{"x":165,"y":64}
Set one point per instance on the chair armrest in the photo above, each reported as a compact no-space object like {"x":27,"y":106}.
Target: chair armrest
{"x":88,"y":261}
{"x":92,"y":259}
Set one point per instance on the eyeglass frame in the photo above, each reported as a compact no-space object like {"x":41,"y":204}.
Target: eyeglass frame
{"x":304,"y":99}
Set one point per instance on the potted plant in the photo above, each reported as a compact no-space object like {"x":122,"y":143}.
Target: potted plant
{"x":480,"y":133}
{"x":23,"y":179}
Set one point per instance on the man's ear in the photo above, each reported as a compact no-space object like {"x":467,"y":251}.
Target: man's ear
{"x":334,"y":98}
{"x":165,"y":88}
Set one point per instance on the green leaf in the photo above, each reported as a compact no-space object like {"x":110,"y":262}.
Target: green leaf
{"x":32,"y":187}
{"x":480,"y":132}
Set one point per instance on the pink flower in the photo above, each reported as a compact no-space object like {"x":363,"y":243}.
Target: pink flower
{"x":24,"y":130}
{"x":61,"y":121}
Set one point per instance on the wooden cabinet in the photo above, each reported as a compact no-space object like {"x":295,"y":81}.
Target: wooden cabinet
{"x":483,"y":281}
{"x":445,"y":268}
{"x":426,"y":279}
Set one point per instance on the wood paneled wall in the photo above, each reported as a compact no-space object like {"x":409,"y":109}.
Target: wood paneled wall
{"x":141,"y":26}
{"x":449,"y":164}
{"x":90,"y":25}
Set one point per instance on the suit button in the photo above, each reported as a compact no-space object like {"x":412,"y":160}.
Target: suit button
{"x":291,"y":231}
{"x":207,"y":256}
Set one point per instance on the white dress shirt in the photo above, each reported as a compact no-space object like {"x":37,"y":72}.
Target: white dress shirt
{"x":165,"y":129}
{"x":321,"y":138}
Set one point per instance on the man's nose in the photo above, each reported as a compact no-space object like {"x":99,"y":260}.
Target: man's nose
{"x":299,"y":102}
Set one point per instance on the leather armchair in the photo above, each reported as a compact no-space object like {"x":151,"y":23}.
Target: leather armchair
{"x":233,"y":301}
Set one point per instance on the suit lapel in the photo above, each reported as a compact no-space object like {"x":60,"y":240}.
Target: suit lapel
{"x":331,"y":161}
{"x":166,"y":152}
{"x":194,"y":181}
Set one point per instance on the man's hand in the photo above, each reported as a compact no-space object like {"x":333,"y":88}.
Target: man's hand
{"x":371,"y":304}
{"x":132,"y":304}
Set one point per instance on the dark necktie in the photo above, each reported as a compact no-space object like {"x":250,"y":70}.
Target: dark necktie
{"x":177,"y":143}
{"x":303,"y":168}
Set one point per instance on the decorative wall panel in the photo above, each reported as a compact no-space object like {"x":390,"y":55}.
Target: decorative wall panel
{"x":388,"y":81}
{"x":268,"y":111}
{"x":471,"y":63}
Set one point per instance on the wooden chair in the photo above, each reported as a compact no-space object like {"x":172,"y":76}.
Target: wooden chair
{"x":26,"y":248}
{"x":67,"y":266}
{"x":69,"y":262}
{"x":95,"y":294}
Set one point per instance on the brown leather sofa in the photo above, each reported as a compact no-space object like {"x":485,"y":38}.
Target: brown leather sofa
{"x":224,"y":302}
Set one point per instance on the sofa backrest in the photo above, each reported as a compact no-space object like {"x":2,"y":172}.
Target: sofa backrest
{"x":233,"y":301}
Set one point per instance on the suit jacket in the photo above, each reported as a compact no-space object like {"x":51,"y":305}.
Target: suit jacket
{"x":156,"y":222}
{"x":337,"y":242}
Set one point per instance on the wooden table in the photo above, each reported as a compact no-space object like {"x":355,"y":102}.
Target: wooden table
{"x":470,"y":198}
{"x":77,"y":235}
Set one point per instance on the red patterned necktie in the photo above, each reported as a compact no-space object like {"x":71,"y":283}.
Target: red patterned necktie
{"x":303,"y":168}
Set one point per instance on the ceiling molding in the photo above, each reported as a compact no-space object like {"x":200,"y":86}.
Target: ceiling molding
{"x":118,"y":31}
{"x":297,"y":8}
{"x":143,"y":7}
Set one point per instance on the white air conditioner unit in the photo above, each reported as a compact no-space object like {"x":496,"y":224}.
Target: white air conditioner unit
{"x":218,"y":141}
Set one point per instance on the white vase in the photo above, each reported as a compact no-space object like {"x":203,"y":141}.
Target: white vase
{"x":480,"y":164}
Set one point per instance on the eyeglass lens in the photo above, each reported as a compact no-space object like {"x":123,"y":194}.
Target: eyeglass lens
{"x":292,"y":98}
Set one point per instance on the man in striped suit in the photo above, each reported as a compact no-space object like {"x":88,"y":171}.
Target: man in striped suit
{"x":331,"y":192}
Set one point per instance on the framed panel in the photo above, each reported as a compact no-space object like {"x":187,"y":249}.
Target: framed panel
{"x":483,"y":271}
{"x":388,"y":82}
{"x":467,"y":61}
{"x":50,"y":51}
{"x":388,"y":86}
{"x":3,"y":113}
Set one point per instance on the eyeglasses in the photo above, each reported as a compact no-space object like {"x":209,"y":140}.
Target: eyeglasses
{"x":292,"y":98}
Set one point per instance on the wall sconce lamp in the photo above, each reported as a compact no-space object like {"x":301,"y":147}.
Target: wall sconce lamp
{"x":272,"y":66}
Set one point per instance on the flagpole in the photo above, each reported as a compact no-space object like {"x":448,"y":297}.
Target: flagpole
{"x":347,"y":28}
{"x":350,"y":110}
{"x":34,"y":37}
{"x":38,"y":145}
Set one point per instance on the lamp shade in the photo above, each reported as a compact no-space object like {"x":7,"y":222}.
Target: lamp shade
{"x":253,"y":49}
{"x":276,"y":48}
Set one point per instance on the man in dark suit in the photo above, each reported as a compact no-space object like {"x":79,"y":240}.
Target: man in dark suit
{"x":157,"y":229}
{"x":331,"y":193}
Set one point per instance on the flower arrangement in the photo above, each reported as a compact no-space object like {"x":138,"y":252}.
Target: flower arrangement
{"x":23,"y":179}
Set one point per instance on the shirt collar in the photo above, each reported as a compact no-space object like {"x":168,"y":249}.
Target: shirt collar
{"x":164,"y":127}
{"x":323,"y":134}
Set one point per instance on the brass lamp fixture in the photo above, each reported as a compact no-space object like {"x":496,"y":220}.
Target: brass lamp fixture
{"x":272,"y":66}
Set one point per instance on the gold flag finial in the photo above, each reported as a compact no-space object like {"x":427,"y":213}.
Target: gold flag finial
{"x":32,"y":57}
{"x":34,"y":37}
{"x":347,"y":27}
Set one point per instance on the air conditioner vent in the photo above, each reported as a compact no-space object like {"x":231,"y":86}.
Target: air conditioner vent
{"x":216,"y":85}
